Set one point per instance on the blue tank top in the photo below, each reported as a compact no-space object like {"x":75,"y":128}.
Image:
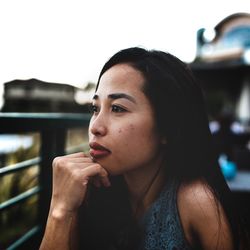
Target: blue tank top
{"x":162,"y":229}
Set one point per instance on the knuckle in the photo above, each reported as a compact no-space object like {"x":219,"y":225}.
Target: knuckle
{"x":82,"y":154}
{"x":76,"y":175}
{"x":73,"y":175}
{"x":60,"y":163}
{"x":104,"y":173}
{"x":101,"y":170}
{"x":98,"y":168}
{"x":57,"y":162}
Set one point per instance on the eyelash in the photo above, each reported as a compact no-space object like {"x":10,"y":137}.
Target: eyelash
{"x":118,"y":109}
{"x":114,"y":108}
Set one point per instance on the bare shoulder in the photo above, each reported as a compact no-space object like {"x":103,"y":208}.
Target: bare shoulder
{"x":189,"y":190}
{"x":197,"y":197}
{"x":202,"y":216}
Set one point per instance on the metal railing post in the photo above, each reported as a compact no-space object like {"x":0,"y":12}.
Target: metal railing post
{"x":52,"y":145}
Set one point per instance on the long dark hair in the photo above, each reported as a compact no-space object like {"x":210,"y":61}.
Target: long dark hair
{"x":179,"y":109}
{"x":181,"y":118}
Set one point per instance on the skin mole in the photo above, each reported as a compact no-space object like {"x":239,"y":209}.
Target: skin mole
{"x":131,"y":126}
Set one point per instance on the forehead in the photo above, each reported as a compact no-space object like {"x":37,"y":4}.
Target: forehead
{"x":121,"y":78}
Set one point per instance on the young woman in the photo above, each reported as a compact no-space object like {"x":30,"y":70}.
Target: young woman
{"x":150,"y":180}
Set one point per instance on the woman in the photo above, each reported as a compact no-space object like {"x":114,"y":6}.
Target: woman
{"x":150,"y":180}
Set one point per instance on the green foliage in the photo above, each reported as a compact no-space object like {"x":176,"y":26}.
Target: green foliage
{"x":22,"y":216}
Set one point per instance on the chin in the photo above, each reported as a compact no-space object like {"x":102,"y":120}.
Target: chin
{"x":111,"y":171}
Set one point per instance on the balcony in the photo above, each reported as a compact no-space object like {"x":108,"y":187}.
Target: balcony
{"x":52,"y":129}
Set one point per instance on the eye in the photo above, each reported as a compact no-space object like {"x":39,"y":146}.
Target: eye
{"x":93,"y":108}
{"x":118,"y":109}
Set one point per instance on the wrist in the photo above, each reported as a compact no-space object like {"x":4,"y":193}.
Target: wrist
{"x":60,"y":213}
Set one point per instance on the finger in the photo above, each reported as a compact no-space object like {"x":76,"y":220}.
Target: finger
{"x":78,"y":154}
{"x":98,"y":171}
{"x":96,"y":182}
{"x":105,"y":181}
{"x":80,"y":160}
{"x":71,"y":156}
{"x":69,"y":162}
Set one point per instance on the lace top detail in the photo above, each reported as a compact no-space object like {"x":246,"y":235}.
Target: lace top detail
{"x":161,"y":223}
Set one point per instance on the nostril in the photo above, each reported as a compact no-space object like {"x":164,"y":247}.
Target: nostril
{"x":98,"y":130}
{"x":95,"y":131}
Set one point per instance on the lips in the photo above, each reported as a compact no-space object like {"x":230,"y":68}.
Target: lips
{"x":98,"y":151}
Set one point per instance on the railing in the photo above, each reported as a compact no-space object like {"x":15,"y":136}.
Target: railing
{"x":53,"y":129}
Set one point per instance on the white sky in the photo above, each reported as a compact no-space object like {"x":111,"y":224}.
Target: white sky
{"x":67,"y":41}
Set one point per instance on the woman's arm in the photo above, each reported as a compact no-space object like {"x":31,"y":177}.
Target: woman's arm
{"x":203,"y":218}
{"x":71,"y":176}
{"x":61,"y":231}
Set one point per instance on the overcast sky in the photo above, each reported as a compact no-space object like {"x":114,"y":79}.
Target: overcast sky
{"x":68,"y":41}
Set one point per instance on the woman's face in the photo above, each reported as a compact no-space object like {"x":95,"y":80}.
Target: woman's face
{"x":122,"y":131}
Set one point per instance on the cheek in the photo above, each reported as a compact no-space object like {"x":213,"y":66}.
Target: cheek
{"x":123,"y":135}
{"x":129,"y":128}
{"x":135,"y":145}
{"x":126,"y":131}
{"x":136,"y":135}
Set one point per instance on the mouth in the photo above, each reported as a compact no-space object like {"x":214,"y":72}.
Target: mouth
{"x":98,"y":151}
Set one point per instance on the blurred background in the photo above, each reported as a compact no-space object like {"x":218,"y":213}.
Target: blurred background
{"x":51,"y":53}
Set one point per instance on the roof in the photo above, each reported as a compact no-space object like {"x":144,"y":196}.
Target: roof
{"x":230,"y":46}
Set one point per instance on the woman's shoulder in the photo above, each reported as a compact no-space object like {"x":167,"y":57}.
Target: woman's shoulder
{"x":196,"y":194}
{"x":202,"y":216}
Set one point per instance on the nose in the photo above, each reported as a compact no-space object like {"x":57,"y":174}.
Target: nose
{"x":98,"y":126}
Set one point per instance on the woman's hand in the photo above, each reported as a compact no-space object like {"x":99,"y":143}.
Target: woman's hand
{"x":71,"y":176}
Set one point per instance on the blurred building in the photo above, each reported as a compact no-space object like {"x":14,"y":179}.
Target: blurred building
{"x":222,"y":66}
{"x":38,"y":96}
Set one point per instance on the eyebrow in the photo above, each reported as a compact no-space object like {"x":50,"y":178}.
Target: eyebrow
{"x":118,"y":96}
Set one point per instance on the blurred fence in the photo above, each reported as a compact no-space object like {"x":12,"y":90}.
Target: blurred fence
{"x":52,"y":128}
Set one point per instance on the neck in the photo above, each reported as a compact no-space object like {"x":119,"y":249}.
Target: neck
{"x":144,"y":185}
